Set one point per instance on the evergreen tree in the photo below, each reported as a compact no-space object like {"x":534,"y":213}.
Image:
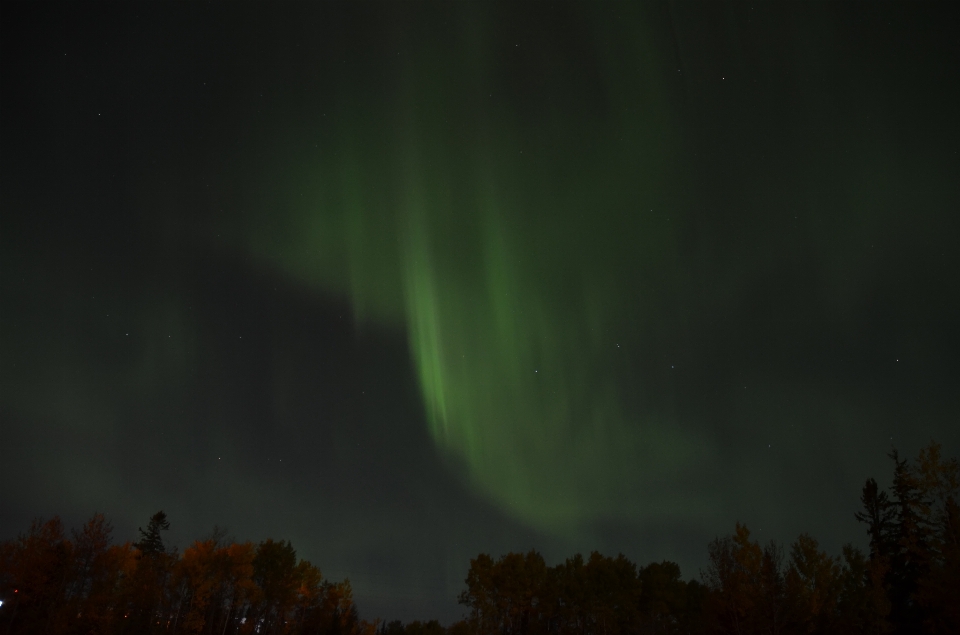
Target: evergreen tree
{"x":150,"y":540}
{"x":148,"y":589}
{"x":910,"y":560}
{"x":878,"y":513}
{"x":938,"y":591}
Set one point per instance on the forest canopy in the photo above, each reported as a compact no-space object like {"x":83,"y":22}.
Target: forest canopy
{"x":908,"y":581}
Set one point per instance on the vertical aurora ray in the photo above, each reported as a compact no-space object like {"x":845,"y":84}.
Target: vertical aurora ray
{"x":511,"y":235}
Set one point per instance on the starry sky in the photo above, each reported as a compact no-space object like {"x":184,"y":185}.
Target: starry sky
{"x":404,"y":283}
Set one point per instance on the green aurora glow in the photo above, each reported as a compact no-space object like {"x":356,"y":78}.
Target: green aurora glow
{"x":408,"y":282}
{"x":495,"y":232}
{"x":556,"y":206}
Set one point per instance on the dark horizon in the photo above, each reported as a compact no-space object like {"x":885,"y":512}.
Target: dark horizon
{"x":54,"y":580}
{"x":407,"y":283}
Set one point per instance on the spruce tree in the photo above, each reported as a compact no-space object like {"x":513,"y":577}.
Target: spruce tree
{"x":878,"y":513}
{"x":150,"y":540}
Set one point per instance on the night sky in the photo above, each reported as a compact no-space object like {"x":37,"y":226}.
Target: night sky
{"x":405,"y":283}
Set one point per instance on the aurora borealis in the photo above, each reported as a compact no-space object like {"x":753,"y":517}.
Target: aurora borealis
{"x":409,"y":282}
{"x":517,"y":286}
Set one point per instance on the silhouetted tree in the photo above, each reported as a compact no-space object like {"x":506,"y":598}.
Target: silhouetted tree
{"x":667,"y":603}
{"x":910,"y":560}
{"x":909,"y":583}
{"x":98,"y":572}
{"x":863,"y":604}
{"x":505,"y":596}
{"x":746,"y":583}
{"x":813,"y":584}
{"x":147,"y":599}
{"x":35,"y":573}
{"x":394,"y":627}
{"x":879,"y":514}
{"x":938,"y":590}
{"x":274,"y":571}
{"x":151,"y":542}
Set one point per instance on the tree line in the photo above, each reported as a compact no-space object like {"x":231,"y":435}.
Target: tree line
{"x":908,"y":583}
{"x":82,"y":584}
